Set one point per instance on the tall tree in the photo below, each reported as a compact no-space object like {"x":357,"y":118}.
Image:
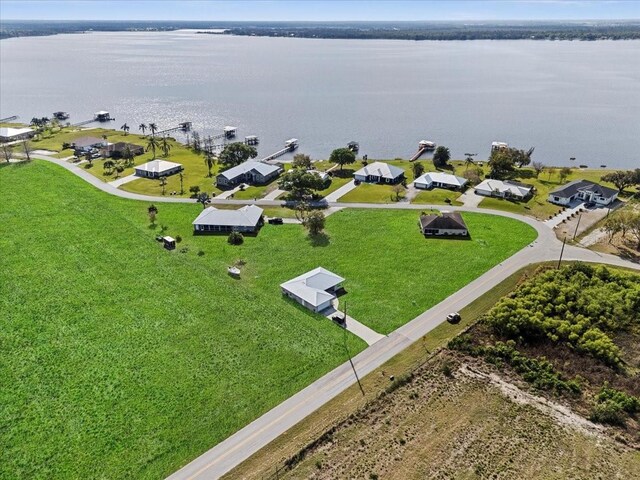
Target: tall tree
{"x":181,"y":176}
{"x":315,"y":222}
{"x":621,"y":179}
{"x":538,"y":168}
{"x":128,"y":156}
{"x":108,"y":166}
{"x":166,"y":146}
{"x":564,"y":173}
{"x":7,"y":152}
{"x":118,"y":167}
{"x":27,"y":149}
{"x":501,"y":163}
{"x":153,"y":144}
{"x":468,"y":162}
{"x":300,"y":160}
{"x":208,"y":161}
{"x":441,"y":156}
{"x":418,"y":169}
{"x":236,"y":153}
{"x":342,"y":156}
{"x":163,"y":184}
{"x":154,"y":128}
{"x":300,"y":183}
{"x":204,"y":199}
{"x":143,"y":128}
{"x":125,"y":128}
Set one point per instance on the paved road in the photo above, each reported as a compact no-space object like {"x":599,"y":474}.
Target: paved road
{"x":240,"y":446}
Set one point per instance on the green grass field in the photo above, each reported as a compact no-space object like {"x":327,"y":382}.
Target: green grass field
{"x":120,"y":354}
{"x":437,"y":196}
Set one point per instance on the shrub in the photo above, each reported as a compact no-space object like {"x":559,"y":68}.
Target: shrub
{"x":608,"y":412}
{"x":628,"y":403}
{"x":235,"y":238}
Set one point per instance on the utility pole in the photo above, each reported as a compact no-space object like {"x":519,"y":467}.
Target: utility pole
{"x":562,"y":251}
{"x":347,"y":349}
{"x":577,"y":225}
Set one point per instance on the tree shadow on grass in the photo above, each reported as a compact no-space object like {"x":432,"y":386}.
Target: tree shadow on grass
{"x":319,"y":240}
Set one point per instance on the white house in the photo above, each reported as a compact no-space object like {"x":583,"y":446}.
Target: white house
{"x":315,"y":290}
{"x":157,"y":168}
{"x":250,"y":172}
{"x":440,"y":180}
{"x":379,"y":172}
{"x":247,"y":219}
{"x":503,"y":189}
{"x":83,"y":145}
{"x":13,"y":134}
{"x":583,"y":191}
{"x":449,"y":224}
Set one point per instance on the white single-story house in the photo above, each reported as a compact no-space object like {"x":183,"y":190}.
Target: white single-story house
{"x":247,"y":219}
{"x":8,"y":134}
{"x":440,"y":180}
{"x":324,"y":176}
{"x":448,"y":224}
{"x":251,"y":172}
{"x":503,"y":189}
{"x":379,"y":172}
{"x":157,"y":168}
{"x":584,"y":191}
{"x":315,"y":290}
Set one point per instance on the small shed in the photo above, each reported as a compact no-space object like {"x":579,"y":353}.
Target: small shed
{"x":169,"y":243}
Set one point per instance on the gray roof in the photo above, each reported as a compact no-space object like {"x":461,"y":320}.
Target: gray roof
{"x":446,"y":221}
{"x":311,"y":286}
{"x":247,"y":216}
{"x":157,"y":166}
{"x":88,"y":142}
{"x":572,"y":188}
{"x":441,"y":177}
{"x":380,"y":169}
{"x":263,"y":169}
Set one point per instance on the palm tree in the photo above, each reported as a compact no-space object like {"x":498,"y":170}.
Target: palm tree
{"x":154,"y":128}
{"x":153,"y":144}
{"x":166,"y":146}
{"x":468,"y":161}
{"x":119,"y":167}
{"x":89,"y":158}
{"x":208,"y":161}
{"x":142,"y":128}
{"x":128,"y":156}
{"x":163,"y":183}
{"x":125,"y":128}
{"x":181,"y":183}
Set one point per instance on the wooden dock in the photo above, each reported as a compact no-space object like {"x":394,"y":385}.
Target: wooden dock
{"x":289,"y":146}
{"x":423,"y":147}
{"x":183,"y":127}
{"x":9,"y":119}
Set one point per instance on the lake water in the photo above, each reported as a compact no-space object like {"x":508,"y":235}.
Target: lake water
{"x":568,"y":99}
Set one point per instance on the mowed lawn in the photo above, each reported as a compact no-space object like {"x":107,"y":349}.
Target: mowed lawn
{"x":123,"y":360}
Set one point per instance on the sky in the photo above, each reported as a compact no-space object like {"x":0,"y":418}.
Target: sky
{"x":320,"y":10}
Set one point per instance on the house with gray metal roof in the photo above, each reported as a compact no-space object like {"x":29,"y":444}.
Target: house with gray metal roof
{"x":504,"y":189}
{"x":379,"y":172}
{"x":251,"y":172}
{"x":247,"y":219}
{"x":583,"y":191}
{"x":440,"y":180}
{"x":315,"y":289}
{"x":8,"y":134}
{"x":157,"y":168}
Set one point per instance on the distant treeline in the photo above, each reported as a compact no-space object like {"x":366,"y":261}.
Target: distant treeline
{"x":622,"y":30}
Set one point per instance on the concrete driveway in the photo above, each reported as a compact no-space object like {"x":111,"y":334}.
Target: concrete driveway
{"x":343,"y":190}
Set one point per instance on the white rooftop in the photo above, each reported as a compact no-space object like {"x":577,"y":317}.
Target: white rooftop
{"x":380,"y":169}
{"x":14,"y":132}
{"x":323,"y":175}
{"x":441,"y":177}
{"x":230,"y":129}
{"x":157,"y":166}
{"x":311,"y":286}
{"x":262,"y":168}
{"x":500,"y":186}
{"x":247,"y":216}
{"x":102,"y":112}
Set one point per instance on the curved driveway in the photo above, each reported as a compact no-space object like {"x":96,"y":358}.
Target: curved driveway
{"x":238,"y":447}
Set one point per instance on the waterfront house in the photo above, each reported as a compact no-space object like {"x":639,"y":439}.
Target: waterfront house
{"x":247,"y":219}
{"x":315,"y":290}
{"x":84,"y":145}
{"x":504,"y":189}
{"x":379,"y":172}
{"x":449,"y":224}
{"x":583,"y":191}
{"x":157,"y":168}
{"x":251,"y":172}
{"x":440,"y":180}
{"x":117,"y":150}
{"x":14,"y":134}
